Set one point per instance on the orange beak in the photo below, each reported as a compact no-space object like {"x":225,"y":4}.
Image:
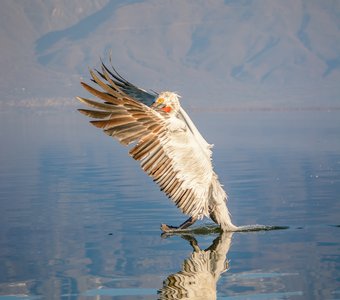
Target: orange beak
{"x":167,"y":109}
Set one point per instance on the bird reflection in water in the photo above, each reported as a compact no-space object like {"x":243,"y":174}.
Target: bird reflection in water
{"x":200,"y":272}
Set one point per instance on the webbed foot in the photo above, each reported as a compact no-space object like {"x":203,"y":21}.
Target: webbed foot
{"x":168,"y":228}
{"x":186,"y":224}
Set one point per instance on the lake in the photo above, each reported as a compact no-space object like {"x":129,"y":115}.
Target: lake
{"x":80,"y":220}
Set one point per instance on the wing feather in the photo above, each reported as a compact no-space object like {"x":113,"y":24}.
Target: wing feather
{"x":115,"y":79}
{"x":142,"y":149}
{"x":97,"y":105}
{"x":113,"y":122}
{"x":95,"y":114}
{"x":111,"y":89}
{"x":173,"y":158}
{"x":153,"y":159}
{"x":104,"y":96}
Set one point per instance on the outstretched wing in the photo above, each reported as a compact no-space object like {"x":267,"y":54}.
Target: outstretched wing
{"x":136,"y":93}
{"x":169,"y":153}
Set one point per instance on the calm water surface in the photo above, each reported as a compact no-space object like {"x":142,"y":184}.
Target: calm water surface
{"x":80,"y":220}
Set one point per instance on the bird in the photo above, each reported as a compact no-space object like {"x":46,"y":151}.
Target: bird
{"x":165,"y":141}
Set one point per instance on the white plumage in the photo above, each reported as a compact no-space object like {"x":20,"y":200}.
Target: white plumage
{"x":166,"y":142}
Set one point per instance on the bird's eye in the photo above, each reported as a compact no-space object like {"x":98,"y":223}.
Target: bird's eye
{"x":160,"y":100}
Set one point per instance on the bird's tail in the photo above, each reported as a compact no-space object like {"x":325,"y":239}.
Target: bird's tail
{"x":221,"y":216}
{"x":219,"y":212}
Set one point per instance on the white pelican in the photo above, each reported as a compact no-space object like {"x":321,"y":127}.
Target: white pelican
{"x":166,"y":142}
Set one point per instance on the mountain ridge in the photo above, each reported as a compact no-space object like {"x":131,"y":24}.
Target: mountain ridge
{"x":237,"y":52}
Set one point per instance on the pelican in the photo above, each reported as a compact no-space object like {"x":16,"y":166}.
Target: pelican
{"x":165,"y":141}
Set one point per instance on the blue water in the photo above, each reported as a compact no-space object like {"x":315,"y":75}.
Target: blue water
{"x":80,"y":220}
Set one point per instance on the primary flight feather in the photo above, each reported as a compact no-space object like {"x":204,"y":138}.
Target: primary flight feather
{"x":167,"y":144}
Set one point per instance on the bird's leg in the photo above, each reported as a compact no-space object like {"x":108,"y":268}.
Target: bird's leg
{"x":186,"y":224}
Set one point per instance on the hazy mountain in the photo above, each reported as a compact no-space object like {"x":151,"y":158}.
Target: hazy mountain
{"x":216,"y":53}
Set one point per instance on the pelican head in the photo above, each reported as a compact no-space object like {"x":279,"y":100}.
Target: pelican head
{"x":168,"y":102}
